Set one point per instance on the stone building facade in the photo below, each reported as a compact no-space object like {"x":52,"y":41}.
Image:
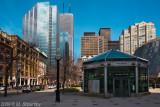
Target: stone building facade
{"x":5,"y":57}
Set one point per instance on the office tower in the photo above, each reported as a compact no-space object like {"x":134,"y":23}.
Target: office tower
{"x":89,"y":34}
{"x":113,"y":45}
{"x":121,"y":43}
{"x":41,"y":28}
{"x":63,"y":40}
{"x":106,"y":32}
{"x":126,"y":41}
{"x":67,"y":24}
{"x":101,"y":44}
{"x":91,"y":45}
{"x":136,"y":35}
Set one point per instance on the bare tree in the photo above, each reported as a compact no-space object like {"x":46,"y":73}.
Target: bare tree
{"x":65,"y":64}
{"x":155,"y":77}
{"x":9,"y":61}
{"x":69,"y":72}
{"x":51,"y":74}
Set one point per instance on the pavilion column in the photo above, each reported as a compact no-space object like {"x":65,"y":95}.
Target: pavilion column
{"x":136,"y":79}
{"x":105,"y":80}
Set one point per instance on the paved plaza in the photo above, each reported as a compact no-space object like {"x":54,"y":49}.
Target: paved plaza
{"x":46,"y":98}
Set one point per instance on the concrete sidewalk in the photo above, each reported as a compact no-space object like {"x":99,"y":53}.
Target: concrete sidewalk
{"x":75,"y":100}
{"x":47,"y":99}
{"x":152,"y":100}
{"x":10,"y":92}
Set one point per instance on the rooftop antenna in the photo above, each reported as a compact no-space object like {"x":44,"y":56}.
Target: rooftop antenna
{"x":63,"y":8}
{"x":69,"y":8}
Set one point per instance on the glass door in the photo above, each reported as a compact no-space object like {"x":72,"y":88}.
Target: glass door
{"x":117,"y":88}
{"x":125,"y":85}
{"x":121,"y":87}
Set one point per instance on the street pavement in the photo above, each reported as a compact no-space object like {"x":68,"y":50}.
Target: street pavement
{"x":10,"y":92}
{"x":46,"y":98}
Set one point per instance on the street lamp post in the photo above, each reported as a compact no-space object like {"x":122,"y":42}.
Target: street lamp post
{"x":58,"y":58}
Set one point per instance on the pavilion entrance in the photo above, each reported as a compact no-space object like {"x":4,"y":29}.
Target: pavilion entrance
{"x":121,"y":87}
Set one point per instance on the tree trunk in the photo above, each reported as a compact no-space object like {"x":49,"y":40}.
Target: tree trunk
{"x":64,"y":79}
{"x":6,"y":81}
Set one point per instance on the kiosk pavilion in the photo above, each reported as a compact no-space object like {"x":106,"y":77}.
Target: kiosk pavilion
{"x":116,"y":73}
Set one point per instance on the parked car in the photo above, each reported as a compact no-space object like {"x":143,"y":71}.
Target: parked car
{"x":2,"y":88}
{"x":54,"y":86}
{"x":28,"y":88}
{"x":33,"y":88}
{"x":51,"y":86}
{"x":19,"y":87}
{"x":38,"y":87}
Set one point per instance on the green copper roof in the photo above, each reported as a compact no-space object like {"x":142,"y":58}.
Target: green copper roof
{"x":112,"y":55}
{"x":118,"y":54}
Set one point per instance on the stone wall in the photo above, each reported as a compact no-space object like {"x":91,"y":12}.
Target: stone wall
{"x":151,"y":52}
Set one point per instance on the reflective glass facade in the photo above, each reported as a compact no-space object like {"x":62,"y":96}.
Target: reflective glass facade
{"x":62,"y":43}
{"x":41,"y":27}
{"x":67,"y":24}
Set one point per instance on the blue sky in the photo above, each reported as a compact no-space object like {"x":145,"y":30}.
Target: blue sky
{"x":89,"y":15}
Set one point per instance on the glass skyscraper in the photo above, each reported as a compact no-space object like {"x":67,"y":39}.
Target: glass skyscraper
{"x":41,"y":27}
{"x":63,"y":44}
{"x":67,"y":24}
